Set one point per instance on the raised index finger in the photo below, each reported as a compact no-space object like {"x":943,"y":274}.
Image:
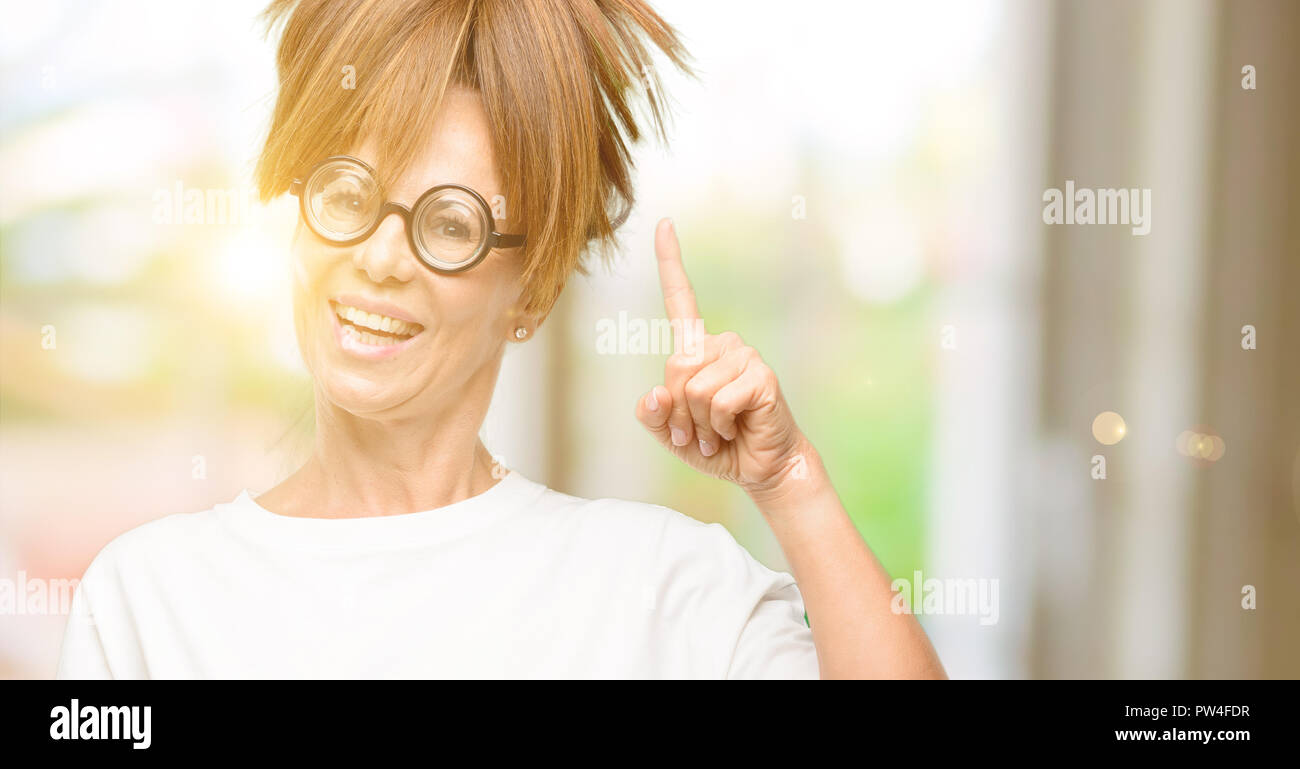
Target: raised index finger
{"x":679,"y":297}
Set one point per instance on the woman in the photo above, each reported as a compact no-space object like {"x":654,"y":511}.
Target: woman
{"x":453,"y":160}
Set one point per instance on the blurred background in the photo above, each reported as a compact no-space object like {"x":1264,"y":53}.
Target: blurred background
{"x":859,"y":192}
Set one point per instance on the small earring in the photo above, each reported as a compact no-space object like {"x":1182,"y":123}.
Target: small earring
{"x":521,"y":332}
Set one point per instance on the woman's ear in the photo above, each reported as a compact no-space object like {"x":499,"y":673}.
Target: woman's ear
{"x":521,"y":328}
{"x":524,"y":324}
{"x":524,"y":327}
{"x":540,"y":317}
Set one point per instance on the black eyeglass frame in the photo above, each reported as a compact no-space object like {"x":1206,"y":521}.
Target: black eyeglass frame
{"x":493,"y":239}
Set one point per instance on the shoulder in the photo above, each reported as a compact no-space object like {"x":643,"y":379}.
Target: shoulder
{"x":608,"y":512}
{"x":173,"y":537}
{"x":647,"y":521}
{"x":679,"y":547}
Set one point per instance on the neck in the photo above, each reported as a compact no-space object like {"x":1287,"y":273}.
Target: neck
{"x":366,"y":466}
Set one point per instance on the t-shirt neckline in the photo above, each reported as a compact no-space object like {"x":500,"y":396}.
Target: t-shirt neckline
{"x":509,"y":495}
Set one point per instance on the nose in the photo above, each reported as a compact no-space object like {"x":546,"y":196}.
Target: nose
{"x":386,"y":254}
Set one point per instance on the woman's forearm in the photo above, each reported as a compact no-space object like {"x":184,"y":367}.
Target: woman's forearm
{"x":845,"y":588}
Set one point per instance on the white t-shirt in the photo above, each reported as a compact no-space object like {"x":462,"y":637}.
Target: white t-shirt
{"x":517,"y":582}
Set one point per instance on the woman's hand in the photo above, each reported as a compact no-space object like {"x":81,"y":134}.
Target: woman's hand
{"x":720,"y":408}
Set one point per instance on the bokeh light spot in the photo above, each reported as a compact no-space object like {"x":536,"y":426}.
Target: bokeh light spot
{"x":1201,"y":443}
{"x":1108,"y":428}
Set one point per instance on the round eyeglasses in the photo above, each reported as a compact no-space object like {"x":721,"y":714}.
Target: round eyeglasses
{"x":450,"y":227}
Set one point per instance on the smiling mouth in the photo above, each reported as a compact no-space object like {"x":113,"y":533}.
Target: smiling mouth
{"x":371,"y":328}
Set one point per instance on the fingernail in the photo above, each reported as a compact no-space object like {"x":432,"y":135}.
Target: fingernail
{"x":679,"y":436}
{"x":706,"y":448}
{"x":671,"y":227}
{"x":651,"y":402}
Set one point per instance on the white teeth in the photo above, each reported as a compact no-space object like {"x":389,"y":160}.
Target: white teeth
{"x":368,"y":338}
{"x":376,"y":322}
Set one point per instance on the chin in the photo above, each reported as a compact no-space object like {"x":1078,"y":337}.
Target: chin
{"x":360,"y":386}
{"x":358,"y":394}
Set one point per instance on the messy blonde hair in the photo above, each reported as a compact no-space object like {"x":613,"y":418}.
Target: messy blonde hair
{"x":559,"y":80}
